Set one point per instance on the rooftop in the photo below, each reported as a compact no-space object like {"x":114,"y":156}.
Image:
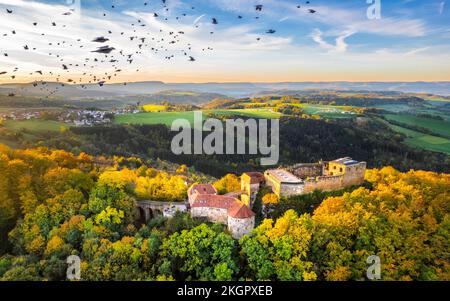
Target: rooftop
{"x":255,"y":177}
{"x":234,"y":207}
{"x":202,"y":189}
{"x":284,"y":176}
{"x":346,"y":161}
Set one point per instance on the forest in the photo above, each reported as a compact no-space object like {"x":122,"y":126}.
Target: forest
{"x":301,"y":140}
{"x":54,"y":204}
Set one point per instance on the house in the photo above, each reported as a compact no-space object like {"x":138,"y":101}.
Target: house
{"x":238,"y":217}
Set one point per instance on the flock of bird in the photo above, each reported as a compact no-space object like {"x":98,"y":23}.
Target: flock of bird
{"x":111,"y":56}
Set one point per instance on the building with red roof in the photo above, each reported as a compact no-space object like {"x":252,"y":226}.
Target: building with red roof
{"x":225,"y":210}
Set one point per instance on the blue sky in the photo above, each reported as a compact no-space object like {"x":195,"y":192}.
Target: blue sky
{"x":411,"y":41}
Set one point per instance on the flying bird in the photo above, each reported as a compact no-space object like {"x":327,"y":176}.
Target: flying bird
{"x":100,"y":40}
{"x":104,"y":49}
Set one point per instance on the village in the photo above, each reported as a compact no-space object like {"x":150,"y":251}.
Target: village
{"x":75,"y":117}
{"x":235,"y":209}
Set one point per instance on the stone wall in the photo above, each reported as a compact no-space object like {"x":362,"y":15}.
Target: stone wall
{"x":215,"y":215}
{"x":238,"y":227}
{"x":326,"y":183}
{"x":354,"y":174}
{"x":304,"y":171}
{"x":287,"y":190}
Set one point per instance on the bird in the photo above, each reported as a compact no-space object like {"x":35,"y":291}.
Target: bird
{"x":104,"y":49}
{"x":271,"y":31}
{"x":100,"y":40}
{"x":312,"y":11}
{"x":3,"y":72}
{"x":65,"y":67}
{"x":214,"y":21}
{"x":259,"y":7}
{"x":101,"y":83}
{"x":9,"y":11}
{"x":191,"y":59}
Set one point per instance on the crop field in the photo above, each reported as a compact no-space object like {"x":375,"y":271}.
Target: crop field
{"x":419,"y":140}
{"x":35,"y":125}
{"x":168,"y":117}
{"x":441,"y":127}
{"x":326,"y":111}
{"x":154,"y":108}
{"x":154,"y":118}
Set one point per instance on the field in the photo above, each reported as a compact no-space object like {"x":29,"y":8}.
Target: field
{"x":153,"y":118}
{"x":419,"y":140}
{"x":154,"y":108}
{"x":168,"y":117}
{"x":440,"y":127}
{"x":35,"y":125}
{"x":325,"y":111}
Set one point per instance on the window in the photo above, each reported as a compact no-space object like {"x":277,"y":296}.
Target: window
{"x":341,"y":170}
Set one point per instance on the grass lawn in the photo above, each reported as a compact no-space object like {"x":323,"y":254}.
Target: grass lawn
{"x":35,"y":125}
{"x":441,"y":127}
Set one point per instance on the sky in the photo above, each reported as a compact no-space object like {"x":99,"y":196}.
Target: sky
{"x":339,"y":42}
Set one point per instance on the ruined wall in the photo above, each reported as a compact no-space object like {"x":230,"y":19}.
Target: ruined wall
{"x":238,"y":227}
{"x":216,"y":215}
{"x":304,"y":171}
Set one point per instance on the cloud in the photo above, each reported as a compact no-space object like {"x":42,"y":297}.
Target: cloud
{"x":416,"y":51}
{"x":340,"y":46}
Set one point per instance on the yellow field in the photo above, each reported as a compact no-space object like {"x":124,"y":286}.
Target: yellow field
{"x":154,"y":108}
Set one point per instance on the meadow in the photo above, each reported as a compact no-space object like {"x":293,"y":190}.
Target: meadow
{"x":423,"y":141}
{"x":35,"y":125}
{"x":168,"y":117}
{"x":440,"y":127}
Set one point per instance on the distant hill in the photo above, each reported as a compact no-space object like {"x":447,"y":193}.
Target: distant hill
{"x":229,"y":89}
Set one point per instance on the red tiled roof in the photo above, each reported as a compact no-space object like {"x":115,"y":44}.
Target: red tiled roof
{"x":240,"y":210}
{"x":202,"y":189}
{"x":255,"y":177}
{"x":235,"y":208}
